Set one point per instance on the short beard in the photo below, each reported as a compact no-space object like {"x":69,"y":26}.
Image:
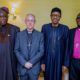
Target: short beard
{"x":79,"y":26}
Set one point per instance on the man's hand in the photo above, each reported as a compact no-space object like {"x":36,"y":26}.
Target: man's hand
{"x":64,"y":69}
{"x":64,"y":72}
{"x":43,"y":67}
{"x":28,"y":65}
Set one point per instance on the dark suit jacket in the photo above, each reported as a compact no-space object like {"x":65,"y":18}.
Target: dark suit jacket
{"x":71,"y":42}
{"x":8,"y":61}
{"x":36,"y":53}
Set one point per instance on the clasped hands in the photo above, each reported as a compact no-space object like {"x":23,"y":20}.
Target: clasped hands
{"x":28,"y":65}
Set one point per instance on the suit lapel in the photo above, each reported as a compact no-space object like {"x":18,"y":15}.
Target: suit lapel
{"x":72,"y":38}
{"x":25,"y":39}
{"x":73,"y":35}
{"x":33,"y":40}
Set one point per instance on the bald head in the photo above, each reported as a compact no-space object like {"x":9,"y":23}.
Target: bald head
{"x":30,"y":17}
{"x":30,"y":21}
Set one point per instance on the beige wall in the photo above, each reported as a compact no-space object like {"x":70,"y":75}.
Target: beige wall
{"x":41,"y":9}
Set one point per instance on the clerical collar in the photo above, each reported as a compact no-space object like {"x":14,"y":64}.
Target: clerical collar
{"x":30,"y":32}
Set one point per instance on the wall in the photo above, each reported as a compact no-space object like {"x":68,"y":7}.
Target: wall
{"x":42,"y":8}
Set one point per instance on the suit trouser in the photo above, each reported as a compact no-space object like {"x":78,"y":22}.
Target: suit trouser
{"x":29,"y":76}
{"x":75,"y":70}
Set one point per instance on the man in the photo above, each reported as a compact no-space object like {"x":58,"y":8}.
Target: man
{"x":55,"y":38}
{"x":29,"y":50}
{"x":8,"y":70}
{"x":74,"y":51}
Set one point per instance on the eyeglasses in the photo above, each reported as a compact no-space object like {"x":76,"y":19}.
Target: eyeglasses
{"x":55,"y":15}
{"x":3,"y":16}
